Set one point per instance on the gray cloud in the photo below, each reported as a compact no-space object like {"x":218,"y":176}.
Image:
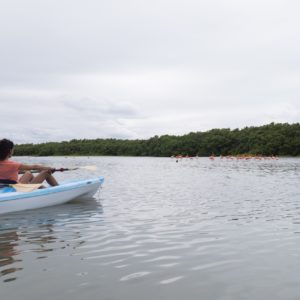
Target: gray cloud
{"x":132,"y":69}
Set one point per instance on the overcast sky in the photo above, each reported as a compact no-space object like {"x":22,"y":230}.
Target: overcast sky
{"x":139,"y":68}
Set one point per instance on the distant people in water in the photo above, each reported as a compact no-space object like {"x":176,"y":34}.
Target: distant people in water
{"x":9,"y":170}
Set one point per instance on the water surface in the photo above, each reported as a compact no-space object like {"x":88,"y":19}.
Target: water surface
{"x":196,"y":229}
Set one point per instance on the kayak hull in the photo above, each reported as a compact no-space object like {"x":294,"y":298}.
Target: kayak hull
{"x":18,"y":201}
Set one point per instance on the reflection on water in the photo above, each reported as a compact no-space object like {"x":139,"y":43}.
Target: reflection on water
{"x":40,"y":233}
{"x":8,"y":241}
{"x":196,"y":229}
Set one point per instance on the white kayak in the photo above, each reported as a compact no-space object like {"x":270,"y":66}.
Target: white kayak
{"x":11,"y":201}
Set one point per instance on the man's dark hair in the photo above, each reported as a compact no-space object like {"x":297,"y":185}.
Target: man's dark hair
{"x":5,"y":147}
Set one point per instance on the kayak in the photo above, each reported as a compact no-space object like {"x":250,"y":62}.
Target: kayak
{"x":11,"y":201}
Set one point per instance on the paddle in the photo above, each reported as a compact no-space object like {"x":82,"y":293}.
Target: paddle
{"x":89,"y":168}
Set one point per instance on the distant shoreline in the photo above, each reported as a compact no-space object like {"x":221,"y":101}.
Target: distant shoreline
{"x":278,"y":139}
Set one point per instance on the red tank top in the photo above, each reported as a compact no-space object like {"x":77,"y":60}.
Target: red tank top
{"x":9,"y":169}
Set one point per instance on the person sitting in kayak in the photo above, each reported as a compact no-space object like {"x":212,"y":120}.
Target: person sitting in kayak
{"x":9,"y":170}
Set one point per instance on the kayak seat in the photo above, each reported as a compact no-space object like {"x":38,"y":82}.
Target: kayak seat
{"x":7,"y":189}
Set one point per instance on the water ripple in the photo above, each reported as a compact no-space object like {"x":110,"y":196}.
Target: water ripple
{"x":156,"y":224}
{"x":171,"y":280}
{"x":134,"y":276}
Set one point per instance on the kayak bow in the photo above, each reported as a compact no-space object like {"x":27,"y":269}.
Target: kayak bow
{"x":11,"y":201}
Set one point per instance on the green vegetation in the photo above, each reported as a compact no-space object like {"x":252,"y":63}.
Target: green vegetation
{"x":276,"y":139}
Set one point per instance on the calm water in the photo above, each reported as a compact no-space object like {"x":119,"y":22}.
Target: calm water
{"x":197,"y":229}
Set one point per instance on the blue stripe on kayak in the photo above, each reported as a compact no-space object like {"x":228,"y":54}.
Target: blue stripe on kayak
{"x":7,"y":189}
{"x":51,"y":190}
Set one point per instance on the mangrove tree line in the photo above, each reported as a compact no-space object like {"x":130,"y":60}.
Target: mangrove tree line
{"x":274,"y":138}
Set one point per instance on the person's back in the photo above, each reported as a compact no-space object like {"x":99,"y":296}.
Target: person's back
{"x":9,"y":170}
